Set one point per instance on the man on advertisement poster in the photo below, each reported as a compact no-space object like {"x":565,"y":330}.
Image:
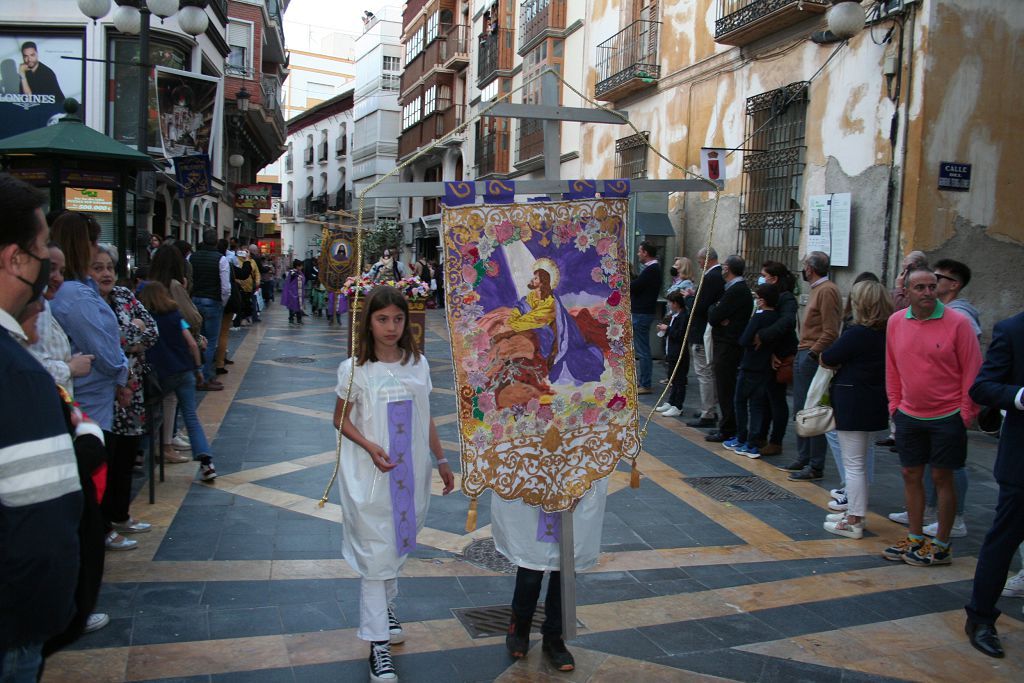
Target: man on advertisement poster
{"x":36,"y":77}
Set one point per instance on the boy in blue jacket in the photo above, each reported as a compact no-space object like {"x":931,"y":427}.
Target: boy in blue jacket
{"x":755,"y":374}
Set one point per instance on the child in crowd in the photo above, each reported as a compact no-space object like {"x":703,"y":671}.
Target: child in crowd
{"x":673,"y":332}
{"x":293,"y":291}
{"x":755,"y":373}
{"x":387,"y":437}
{"x":317,"y":298}
{"x":175,"y":357}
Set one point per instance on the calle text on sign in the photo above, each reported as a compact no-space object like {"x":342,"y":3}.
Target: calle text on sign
{"x":954,"y":176}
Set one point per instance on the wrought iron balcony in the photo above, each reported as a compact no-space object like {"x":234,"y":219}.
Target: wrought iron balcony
{"x":494,"y":56}
{"x":530,"y":141}
{"x":456,"y":54}
{"x":628,"y":61}
{"x":741,"y":22}
{"x":538,"y":19}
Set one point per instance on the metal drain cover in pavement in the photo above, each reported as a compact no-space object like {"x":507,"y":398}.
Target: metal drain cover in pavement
{"x":295,"y":360}
{"x":733,"y":488}
{"x":487,"y":622}
{"x":482,"y":553}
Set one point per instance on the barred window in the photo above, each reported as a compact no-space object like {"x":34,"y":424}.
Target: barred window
{"x":772,"y":191}
{"x":631,"y":156}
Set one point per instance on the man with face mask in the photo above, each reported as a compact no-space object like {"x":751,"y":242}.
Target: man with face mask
{"x":40,"y":494}
{"x":820,"y":328}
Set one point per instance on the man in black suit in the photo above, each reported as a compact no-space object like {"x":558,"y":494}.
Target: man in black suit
{"x":1000,"y":384}
{"x":728,"y":319}
{"x":710,"y":292}
{"x":643,"y":292}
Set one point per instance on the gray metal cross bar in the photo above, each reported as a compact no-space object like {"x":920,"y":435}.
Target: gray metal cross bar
{"x":540,"y":187}
{"x":549,"y":113}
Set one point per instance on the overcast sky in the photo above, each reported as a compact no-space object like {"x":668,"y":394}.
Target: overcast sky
{"x":305,"y":18}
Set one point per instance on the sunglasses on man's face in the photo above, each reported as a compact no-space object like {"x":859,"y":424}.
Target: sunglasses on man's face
{"x":939,"y":276}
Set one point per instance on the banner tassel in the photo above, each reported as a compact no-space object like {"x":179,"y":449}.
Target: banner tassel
{"x":634,"y":476}
{"x":471,"y":516}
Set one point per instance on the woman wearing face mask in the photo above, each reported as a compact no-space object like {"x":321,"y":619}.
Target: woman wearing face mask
{"x":138,"y":332}
{"x":782,"y":336}
{"x":52,"y":348}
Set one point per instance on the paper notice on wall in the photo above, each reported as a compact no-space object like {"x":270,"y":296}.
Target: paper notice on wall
{"x":828,"y":226}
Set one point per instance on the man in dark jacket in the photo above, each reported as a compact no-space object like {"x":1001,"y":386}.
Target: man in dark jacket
{"x":210,"y":292}
{"x":728,"y":318}
{"x":709,"y":293}
{"x":643,"y":292}
{"x":40,"y":495}
{"x":1000,"y":384}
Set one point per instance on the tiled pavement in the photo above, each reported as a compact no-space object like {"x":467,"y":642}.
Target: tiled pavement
{"x":242,"y":580}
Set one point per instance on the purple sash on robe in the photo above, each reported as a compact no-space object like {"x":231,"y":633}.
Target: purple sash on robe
{"x":549,"y":527}
{"x":403,"y":496}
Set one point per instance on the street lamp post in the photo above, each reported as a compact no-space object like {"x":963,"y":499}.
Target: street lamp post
{"x":131,"y":17}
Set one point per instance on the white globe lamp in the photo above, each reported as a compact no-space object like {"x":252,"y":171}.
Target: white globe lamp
{"x":236,"y":161}
{"x":193,"y":20}
{"x":94,"y":9}
{"x":127,"y":19}
{"x":162,"y":8}
{"x":845,"y":19}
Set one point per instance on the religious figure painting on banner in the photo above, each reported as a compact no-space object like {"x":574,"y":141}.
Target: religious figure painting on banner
{"x":538,"y":306}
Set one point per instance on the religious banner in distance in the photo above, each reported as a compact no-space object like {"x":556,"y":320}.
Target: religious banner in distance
{"x":193,"y":175}
{"x":35,"y":80}
{"x":337,"y":257}
{"x":88,"y":200}
{"x":187,"y":105}
{"x":252,"y":196}
{"x":538,"y":307}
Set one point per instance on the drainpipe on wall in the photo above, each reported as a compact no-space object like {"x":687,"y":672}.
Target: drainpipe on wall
{"x":894,"y":193}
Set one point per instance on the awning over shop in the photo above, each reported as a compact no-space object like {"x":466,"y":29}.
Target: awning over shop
{"x":654,"y":224}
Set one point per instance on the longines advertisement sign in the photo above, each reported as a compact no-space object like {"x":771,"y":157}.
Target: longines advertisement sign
{"x":35,"y":80}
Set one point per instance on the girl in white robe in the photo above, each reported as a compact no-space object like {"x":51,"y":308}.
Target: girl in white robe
{"x":387,"y":439}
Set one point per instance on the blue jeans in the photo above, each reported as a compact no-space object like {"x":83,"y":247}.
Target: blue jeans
{"x":212,"y":311}
{"x":184,"y":387}
{"x":642,"y":345}
{"x":810,"y":450}
{"x":21,"y":664}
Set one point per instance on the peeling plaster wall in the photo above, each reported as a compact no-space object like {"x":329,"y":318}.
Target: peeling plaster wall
{"x":963,"y":104}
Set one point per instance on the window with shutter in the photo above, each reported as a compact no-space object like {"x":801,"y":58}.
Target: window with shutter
{"x":239,"y":62}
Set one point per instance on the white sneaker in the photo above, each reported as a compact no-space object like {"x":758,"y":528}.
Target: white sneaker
{"x":835,"y":516}
{"x":181,"y":443}
{"x":838,"y":503}
{"x":115,"y":541}
{"x":131,"y":526}
{"x":901,"y":517}
{"x":96,"y":621}
{"x":1014,"y":587}
{"x":672,"y":412}
{"x":844,"y":528}
{"x":838,"y":494}
{"x":959,"y":529}
{"x":663,"y":407}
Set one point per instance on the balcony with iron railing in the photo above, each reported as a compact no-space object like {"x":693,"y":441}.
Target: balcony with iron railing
{"x":322,"y":156}
{"x":494,"y":56}
{"x":456,"y":56}
{"x":340,"y":147}
{"x":539,"y":19}
{"x":492,"y":154}
{"x":273,"y":33}
{"x":628,"y":61}
{"x":286,"y":209}
{"x":741,"y":22}
{"x":239,"y":71}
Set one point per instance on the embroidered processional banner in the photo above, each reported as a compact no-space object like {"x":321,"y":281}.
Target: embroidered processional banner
{"x":337,"y":257}
{"x":538,"y":308}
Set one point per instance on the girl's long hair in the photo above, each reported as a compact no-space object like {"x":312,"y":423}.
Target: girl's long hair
{"x":76,"y":233}
{"x":156,"y":298}
{"x":378,"y":298}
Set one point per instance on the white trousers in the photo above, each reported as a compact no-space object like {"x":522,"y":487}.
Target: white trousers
{"x":854,"y":447}
{"x":374,"y":598}
{"x":706,"y":379}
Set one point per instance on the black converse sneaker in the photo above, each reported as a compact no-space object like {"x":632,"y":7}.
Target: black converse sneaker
{"x":558,"y":655}
{"x":395,"y":628}
{"x":381,"y":667}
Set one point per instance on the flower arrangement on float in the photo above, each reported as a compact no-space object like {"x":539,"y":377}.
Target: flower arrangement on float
{"x":413,"y":288}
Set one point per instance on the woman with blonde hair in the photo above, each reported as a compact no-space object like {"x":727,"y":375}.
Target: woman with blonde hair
{"x":858,"y":397}
{"x":682,"y":276}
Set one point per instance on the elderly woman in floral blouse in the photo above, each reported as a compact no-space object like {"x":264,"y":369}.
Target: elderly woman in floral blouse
{"x":138,"y":333}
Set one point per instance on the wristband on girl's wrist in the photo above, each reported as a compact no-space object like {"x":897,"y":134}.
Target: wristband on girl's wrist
{"x":442,"y":461}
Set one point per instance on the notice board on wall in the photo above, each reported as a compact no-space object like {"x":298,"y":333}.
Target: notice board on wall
{"x":828,"y":226}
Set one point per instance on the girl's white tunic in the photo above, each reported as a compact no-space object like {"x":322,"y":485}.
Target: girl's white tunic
{"x":514,"y":526}
{"x":369,"y":544}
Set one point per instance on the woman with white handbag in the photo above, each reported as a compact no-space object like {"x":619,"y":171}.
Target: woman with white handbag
{"x":858,"y":398}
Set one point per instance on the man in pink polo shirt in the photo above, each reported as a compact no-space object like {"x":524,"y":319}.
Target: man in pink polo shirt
{"x":932,"y":358}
